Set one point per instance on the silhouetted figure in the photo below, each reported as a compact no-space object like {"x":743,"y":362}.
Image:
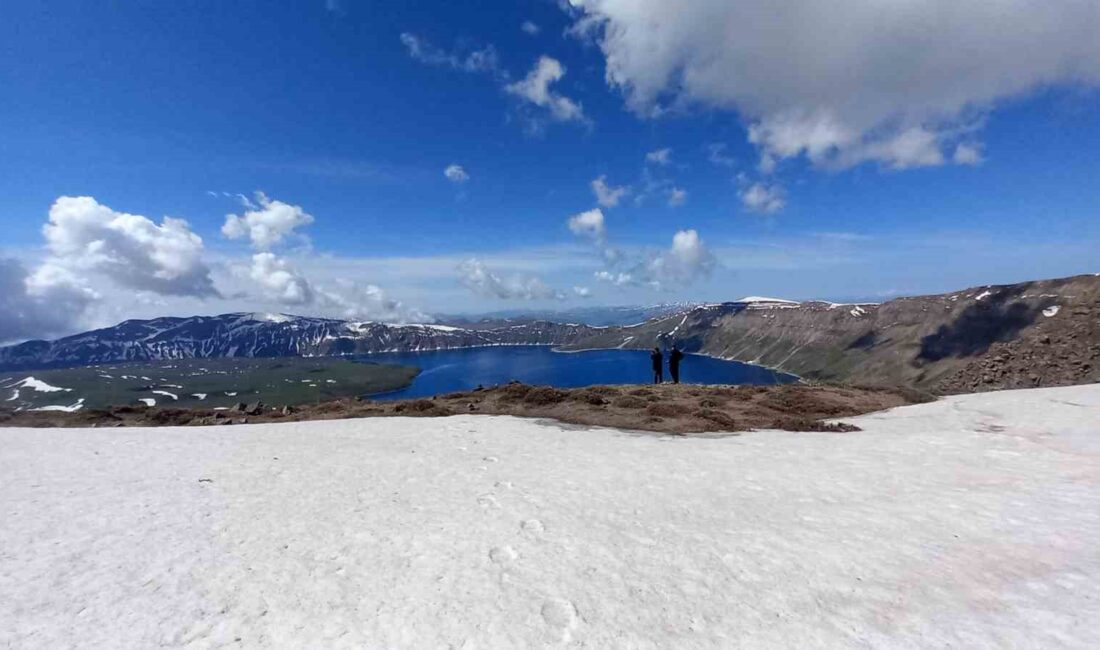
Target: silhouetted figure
{"x":658,"y":365}
{"x":674,"y":358}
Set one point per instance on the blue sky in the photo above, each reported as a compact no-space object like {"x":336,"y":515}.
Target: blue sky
{"x":982,"y":171}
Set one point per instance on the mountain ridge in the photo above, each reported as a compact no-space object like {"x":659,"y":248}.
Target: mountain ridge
{"x":1044,"y":332}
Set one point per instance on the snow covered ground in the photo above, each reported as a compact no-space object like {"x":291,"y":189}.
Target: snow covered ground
{"x":972,"y":522}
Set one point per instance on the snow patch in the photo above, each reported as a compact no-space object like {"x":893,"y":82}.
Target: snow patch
{"x":799,"y":540}
{"x":148,"y":401}
{"x":165,"y":393}
{"x":1051,"y":311}
{"x":199,"y":396}
{"x":983,"y":295}
{"x":72,"y":408}
{"x":38,"y":385}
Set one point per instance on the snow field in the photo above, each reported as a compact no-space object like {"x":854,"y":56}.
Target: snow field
{"x":970,"y":522}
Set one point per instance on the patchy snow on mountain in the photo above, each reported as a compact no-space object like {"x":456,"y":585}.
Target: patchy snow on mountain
{"x":166,"y":394}
{"x":970,"y":522}
{"x":38,"y":385}
{"x":71,"y":408}
{"x":1051,"y":311}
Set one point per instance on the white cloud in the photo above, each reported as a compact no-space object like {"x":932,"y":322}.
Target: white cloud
{"x":606,"y":195}
{"x":677,"y":196}
{"x":659,"y":157}
{"x":483,"y":60}
{"x":47,"y":303}
{"x":370,"y":303}
{"x":589,"y":224}
{"x":716,"y":155}
{"x":127,"y":248}
{"x":968,"y":153}
{"x":685,"y":261}
{"x":760,"y":197}
{"x":278,"y":281}
{"x":475,"y":276}
{"x":620,"y":279}
{"x":535,"y":88}
{"x":530,"y":28}
{"x":843,"y":82}
{"x":456,"y":173}
{"x":267,"y":224}
{"x":582,"y":292}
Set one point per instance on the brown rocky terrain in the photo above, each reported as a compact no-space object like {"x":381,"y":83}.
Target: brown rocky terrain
{"x":1042,"y":333}
{"x":667,"y":408}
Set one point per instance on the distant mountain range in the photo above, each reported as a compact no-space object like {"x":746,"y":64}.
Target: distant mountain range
{"x":1034,"y":333}
{"x":269,"y":335}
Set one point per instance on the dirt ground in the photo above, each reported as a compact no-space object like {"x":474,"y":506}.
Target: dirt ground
{"x":667,"y":408}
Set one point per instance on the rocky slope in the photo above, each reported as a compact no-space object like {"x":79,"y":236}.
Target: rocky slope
{"x":1012,"y":336}
{"x":267,"y":335}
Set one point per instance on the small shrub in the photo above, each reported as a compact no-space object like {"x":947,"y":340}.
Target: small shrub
{"x":717,"y":417}
{"x":666,"y":410}
{"x":629,"y":402}
{"x":544,"y":396}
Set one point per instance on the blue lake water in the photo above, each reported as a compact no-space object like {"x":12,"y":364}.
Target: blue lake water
{"x":455,"y":370}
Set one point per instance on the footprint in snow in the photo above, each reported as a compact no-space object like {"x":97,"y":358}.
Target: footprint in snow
{"x":532,"y":528}
{"x":502,"y":555}
{"x":560,"y":615}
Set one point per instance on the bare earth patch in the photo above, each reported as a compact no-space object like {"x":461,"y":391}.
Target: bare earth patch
{"x":667,"y":408}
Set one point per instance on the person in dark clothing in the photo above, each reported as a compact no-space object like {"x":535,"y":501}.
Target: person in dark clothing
{"x":674,"y":358}
{"x":658,"y":365}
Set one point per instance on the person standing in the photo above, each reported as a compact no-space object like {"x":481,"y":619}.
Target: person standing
{"x":658,"y":365}
{"x":674,"y":358}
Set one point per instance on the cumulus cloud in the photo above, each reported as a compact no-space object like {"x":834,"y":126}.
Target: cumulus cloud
{"x":677,"y":196}
{"x":687,"y":260}
{"x":456,"y":173}
{"x":606,"y":195}
{"x":475,"y":276}
{"x":278,"y":281}
{"x":968,"y":153}
{"x":761,"y":197}
{"x":371,"y":303}
{"x":530,"y":28}
{"x":267,"y":224}
{"x":620,"y":279}
{"x":589,"y":224}
{"x":659,"y":157}
{"x":582,"y":292}
{"x":535,"y":88}
{"x":482,"y":60}
{"x":129,"y":249}
{"x":46,"y":303}
{"x":843,"y":82}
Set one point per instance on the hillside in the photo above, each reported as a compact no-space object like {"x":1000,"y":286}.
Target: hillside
{"x":1042,"y":333}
